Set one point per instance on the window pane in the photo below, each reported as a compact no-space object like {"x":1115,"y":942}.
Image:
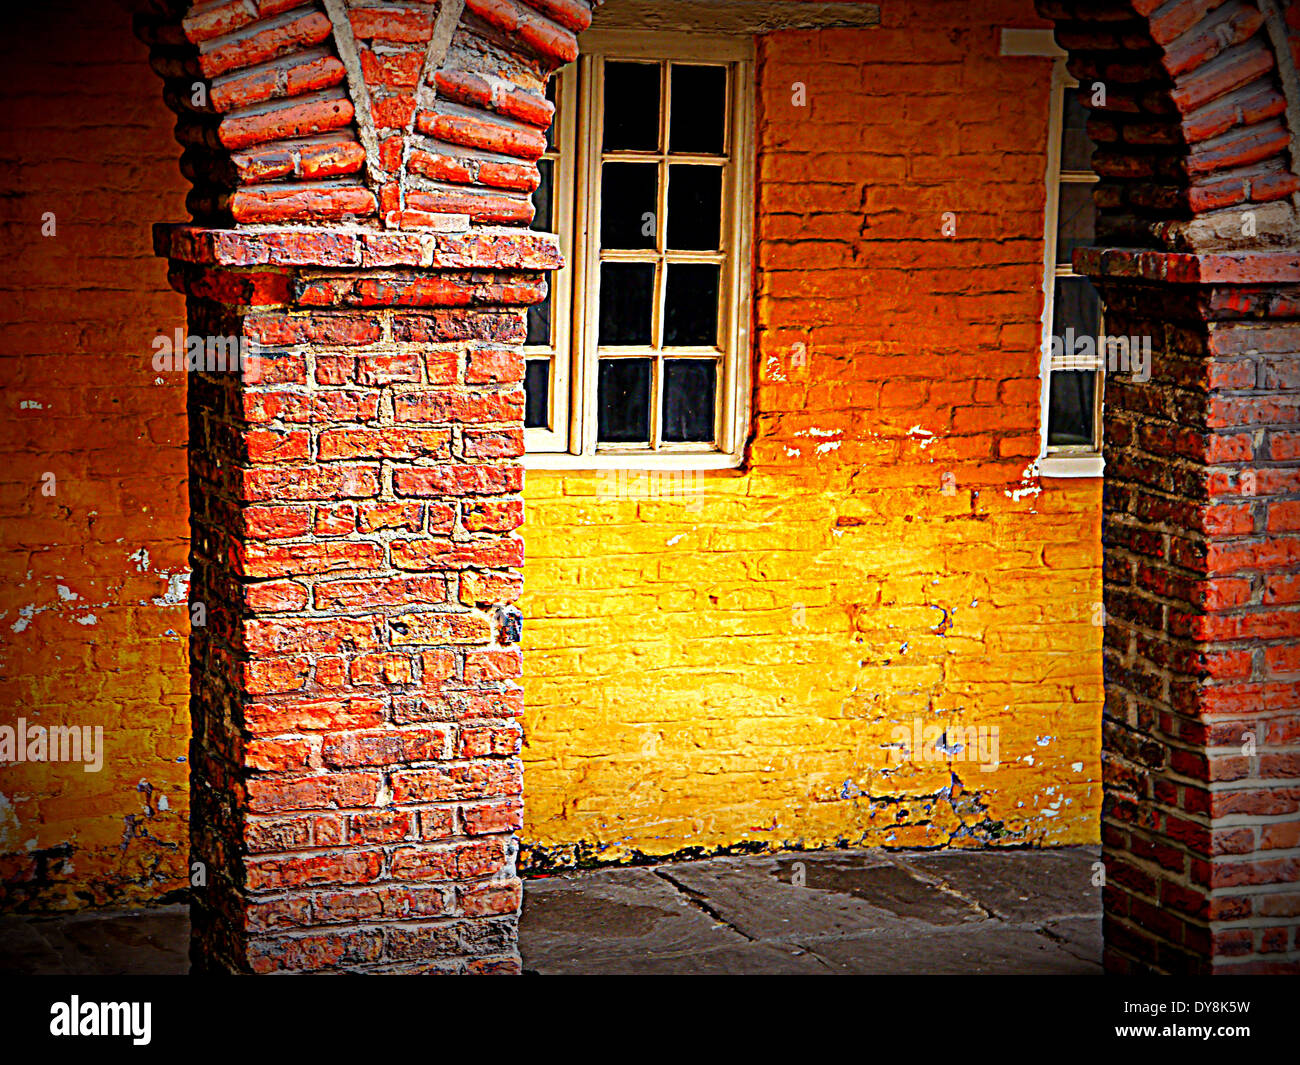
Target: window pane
{"x":699,"y":110}
{"x":629,"y":199}
{"x":1076,"y":148}
{"x":1077,"y":306}
{"x":626,"y":297}
{"x":542,"y":197}
{"x":1072,"y":409}
{"x":690,"y":387}
{"x":632,"y":107}
{"x":1076,"y":225}
{"x":539,"y":322}
{"x":537,"y":390}
{"x":691,"y":305}
{"x":623,"y":403}
{"x":694,"y":207}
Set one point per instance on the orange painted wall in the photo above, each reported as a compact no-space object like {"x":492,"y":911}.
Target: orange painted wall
{"x":725,"y":663}
{"x":93,"y":624}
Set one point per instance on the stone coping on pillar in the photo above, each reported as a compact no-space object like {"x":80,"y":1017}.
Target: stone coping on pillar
{"x":459,"y":247}
{"x":1189,"y":268}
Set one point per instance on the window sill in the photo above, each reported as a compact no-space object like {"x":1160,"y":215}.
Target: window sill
{"x":1076,"y":466}
{"x":675,"y":461}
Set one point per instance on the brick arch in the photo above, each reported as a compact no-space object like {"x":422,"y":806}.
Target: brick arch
{"x":1198,"y":250}
{"x":487,"y":100}
{"x":264,"y":113}
{"x":1195,"y":108}
{"x":309,"y":111}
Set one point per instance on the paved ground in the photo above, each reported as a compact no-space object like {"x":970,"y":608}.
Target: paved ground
{"x":817,"y":913}
{"x":856,"y":912}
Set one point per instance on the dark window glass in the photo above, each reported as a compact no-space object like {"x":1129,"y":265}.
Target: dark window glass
{"x":1076,"y":225}
{"x":1072,"y":401}
{"x":543,"y":196}
{"x":629,"y":199}
{"x":1076,"y":148}
{"x":539,"y":322}
{"x":537,"y":394}
{"x":691,"y":305}
{"x":631,"y":107}
{"x":1071,"y":408}
{"x":690,"y":386}
{"x":694,"y":207}
{"x":623,"y":401}
{"x":699,"y":109}
{"x":626,"y":295}
{"x":1077,"y":306}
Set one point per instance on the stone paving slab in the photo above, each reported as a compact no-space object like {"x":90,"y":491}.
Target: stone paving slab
{"x":993,"y":948}
{"x":588,"y":922}
{"x":835,"y":893}
{"x":1080,"y":936}
{"x":1019,"y":885}
{"x":149,"y":942}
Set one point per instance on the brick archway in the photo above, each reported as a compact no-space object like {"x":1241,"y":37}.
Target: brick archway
{"x":1196,"y":105}
{"x":361,"y":177}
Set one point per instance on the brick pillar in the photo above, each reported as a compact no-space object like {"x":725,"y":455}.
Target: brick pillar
{"x":1201,"y":735}
{"x":356,"y":784}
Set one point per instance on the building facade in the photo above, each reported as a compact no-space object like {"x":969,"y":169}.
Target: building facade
{"x":756,"y":328}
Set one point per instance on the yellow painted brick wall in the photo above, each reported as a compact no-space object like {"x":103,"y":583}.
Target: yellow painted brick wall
{"x":724,"y":661}
{"x":93,"y":620}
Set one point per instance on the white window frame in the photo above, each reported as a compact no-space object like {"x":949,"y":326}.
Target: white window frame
{"x":1074,"y":461}
{"x":563,"y":207}
{"x":571,"y":443}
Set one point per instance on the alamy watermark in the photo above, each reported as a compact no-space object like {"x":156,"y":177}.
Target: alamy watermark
{"x":920,"y":742}
{"x":1130,"y":355}
{"x":58,"y":743}
{"x":80,"y":1019}
{"x":686,"y":485}
{"x":182,"y":353}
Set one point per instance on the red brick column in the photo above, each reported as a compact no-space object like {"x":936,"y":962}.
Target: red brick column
{"x":1201,"y":820}
{"x":1195,"y":109}
{"x":355,"y":500}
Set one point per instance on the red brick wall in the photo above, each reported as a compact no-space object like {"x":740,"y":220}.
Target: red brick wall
{"x":93,"y":621}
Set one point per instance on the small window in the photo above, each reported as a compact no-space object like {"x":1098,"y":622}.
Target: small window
{"x":1072,"y":382}
{"x":639,"y":357}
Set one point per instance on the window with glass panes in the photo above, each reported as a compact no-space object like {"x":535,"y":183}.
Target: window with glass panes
{"x":637,"y":357}
{"x":1073,"y":385}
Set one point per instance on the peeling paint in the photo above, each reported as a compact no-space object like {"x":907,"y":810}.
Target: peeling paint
{"x":1030,"y":484}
